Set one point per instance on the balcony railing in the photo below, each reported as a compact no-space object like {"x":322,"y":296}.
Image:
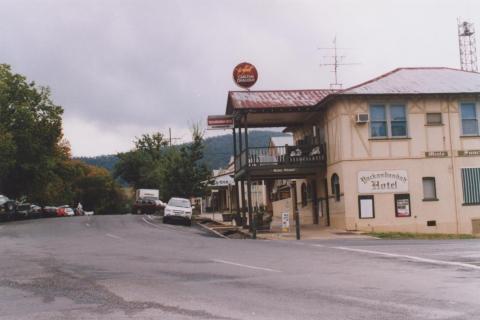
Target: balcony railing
{"x":287,"y":156}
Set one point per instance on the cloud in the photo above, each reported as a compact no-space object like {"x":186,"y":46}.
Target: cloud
{"x":147,"y":65}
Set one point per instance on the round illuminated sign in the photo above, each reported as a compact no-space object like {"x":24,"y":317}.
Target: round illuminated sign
{"x":245,"y":75}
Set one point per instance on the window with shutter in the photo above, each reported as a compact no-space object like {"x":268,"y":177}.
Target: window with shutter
{"x":471,"y":186}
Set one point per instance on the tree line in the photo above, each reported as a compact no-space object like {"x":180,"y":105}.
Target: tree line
{"x":36,"y":163}
{"x":35,"y":159}
{"x":176,"y":171}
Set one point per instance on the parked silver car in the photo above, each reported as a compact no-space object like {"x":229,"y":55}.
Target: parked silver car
{"x":178,"y":209}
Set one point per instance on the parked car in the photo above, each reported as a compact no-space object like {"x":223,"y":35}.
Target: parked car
{"x":22,"y":210}
{"x":50,"y":211}
{"x":65,"y":211}
{"x":178,"y":209}
{"x":7,"y":207}
{"x":60,"y":212}
{"x":147,"y":205}
{"x":35,"y":211}
{"x":69,"y":212}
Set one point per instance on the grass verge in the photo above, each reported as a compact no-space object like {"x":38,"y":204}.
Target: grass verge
{"x":423,"y":236}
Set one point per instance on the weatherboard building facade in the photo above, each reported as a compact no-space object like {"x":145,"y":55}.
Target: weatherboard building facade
{"x":400,"y":152}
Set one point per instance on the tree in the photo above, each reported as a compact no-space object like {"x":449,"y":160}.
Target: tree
{"x":98,"y":191}
{"x":184,"y":173}
{"x":175,"y":171}
{"x":7,"y":153}
{"x":35,"y":160}
{"x":153,"y":145}
{"x":32,"y":127}
{"x":137,"y":167}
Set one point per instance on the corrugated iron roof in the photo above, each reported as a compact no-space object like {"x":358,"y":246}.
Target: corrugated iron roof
{"x":420,"y":81}
{"x":276,"y":99}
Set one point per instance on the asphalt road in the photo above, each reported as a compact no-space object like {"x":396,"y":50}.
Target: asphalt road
{"x":128,"y":267}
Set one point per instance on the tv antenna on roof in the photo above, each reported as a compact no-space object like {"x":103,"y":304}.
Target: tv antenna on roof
{"x":336,"y":61}
{"x":467,"y":46}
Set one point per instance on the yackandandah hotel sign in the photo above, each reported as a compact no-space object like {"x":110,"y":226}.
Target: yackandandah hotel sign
{"x":385,"y":181}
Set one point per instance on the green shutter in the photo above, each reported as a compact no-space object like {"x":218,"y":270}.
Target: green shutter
{"x":471,"y":185}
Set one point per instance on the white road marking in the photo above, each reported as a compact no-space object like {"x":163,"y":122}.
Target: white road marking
{"x":150,"y":223}
{"x":112,"y":236}
{"x":420,"y":312}
{"x":244,"y":265}
{"x":414,"y":258}
{"x":318,"y":245}
{"x":164,"y":226}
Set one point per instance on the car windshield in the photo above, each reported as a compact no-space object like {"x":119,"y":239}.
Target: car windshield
{"x":183,"y":203}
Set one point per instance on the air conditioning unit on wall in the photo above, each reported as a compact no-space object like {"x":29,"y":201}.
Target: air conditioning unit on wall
{"x":362,"y":118}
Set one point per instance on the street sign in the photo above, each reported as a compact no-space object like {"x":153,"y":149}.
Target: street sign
{"x":285,"y":222}
{"x":245,"y":75}
{"x":219,"y":122}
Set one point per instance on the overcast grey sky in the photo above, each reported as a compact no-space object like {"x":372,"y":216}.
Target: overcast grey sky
{"x":121,"y":68}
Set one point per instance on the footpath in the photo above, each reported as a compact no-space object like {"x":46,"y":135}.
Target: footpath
{"x":307,"y":232}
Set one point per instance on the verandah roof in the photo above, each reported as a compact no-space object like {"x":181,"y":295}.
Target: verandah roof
{"x":277,"y":108}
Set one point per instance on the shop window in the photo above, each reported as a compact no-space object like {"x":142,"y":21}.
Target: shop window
{"x":335,"y":181}
{"x":429,"y":189}
{"x":402,"y":205}
{"x":304,"y":194}
{"x":469,"y":119}
{"x":388,"y":120}
{"x":366,"y":207}
{"x":471,"y":186}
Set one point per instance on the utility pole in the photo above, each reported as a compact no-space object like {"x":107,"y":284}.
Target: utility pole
{"x":170,"y":138}
{"x":335,"y":61}
{"x":296,"y":214}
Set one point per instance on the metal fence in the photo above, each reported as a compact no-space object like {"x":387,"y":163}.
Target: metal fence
{"x":282,"y":156}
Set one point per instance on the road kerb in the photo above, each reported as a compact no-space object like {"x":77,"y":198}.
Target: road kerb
{"x":213,"y":231}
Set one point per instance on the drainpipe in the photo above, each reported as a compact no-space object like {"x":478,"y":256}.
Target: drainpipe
{"x":452,"y":162}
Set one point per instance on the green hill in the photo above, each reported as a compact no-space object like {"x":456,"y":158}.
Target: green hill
{"x":218,"y":150}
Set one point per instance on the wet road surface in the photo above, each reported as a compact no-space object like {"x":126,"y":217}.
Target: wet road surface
{"x":131,"y":267}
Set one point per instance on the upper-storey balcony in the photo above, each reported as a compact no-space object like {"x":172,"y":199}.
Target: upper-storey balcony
{"x":280,"y":161}
{"x":281,"y":109}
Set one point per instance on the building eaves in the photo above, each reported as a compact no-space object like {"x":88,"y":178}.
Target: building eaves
{"x":275,"y":100}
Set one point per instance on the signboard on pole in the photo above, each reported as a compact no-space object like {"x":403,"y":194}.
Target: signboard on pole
{"x":285,"y":221}
{"x":219,"y":122}
{"x":245,"y":75}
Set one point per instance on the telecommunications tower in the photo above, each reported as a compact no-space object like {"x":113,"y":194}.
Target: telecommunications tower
{"x":467,"y":46}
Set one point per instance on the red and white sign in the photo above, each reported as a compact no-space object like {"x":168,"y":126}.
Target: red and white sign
{"x":220,"y":122}
{"x":245,"y":75}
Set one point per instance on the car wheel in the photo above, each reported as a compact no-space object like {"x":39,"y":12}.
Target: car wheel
{"x":165,"y":220}
{"x":188,"y":223}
